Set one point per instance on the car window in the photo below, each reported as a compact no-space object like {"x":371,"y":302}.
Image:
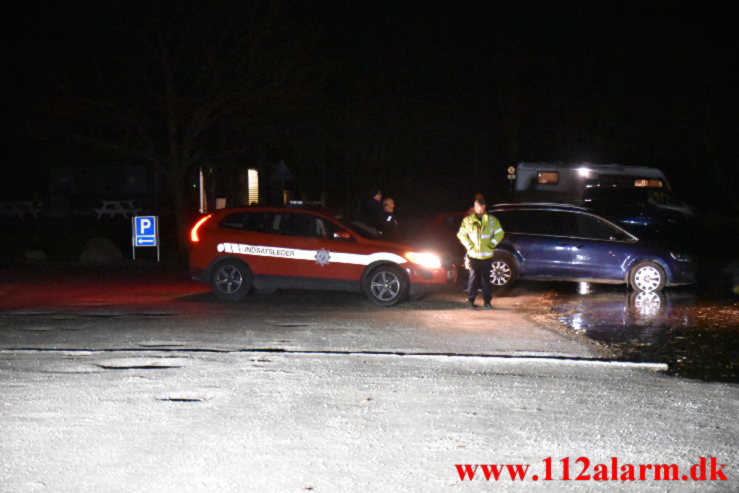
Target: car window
{"x":296,"y":224}
{"x":259,"y":222}
{"x":509,"y":220}
{"x":364,"y":230}
{"x":292,"y":224}
{"x":592,"y":227}
{"x":556,"y":223}
{"x":307,"y":226}
{"x":235,"y":221}
{"x":334,"y":231}
{"x":663,"y":198}
{"x":616,"y":199}
{"x":564,"y":223}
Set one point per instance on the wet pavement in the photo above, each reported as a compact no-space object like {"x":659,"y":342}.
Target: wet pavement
{"x":694,"y":330}
{"x":105,"y":372}
{"x":695,"y":333}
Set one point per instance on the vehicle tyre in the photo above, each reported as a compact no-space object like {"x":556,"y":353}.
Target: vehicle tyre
{"x":231,"y":280}
{"x":647,"y":276}
{"x":386,"y":285}
{"x":504,"y":271}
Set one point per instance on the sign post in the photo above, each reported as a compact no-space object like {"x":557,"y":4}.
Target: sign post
{"x":145,"y":233}
{"x":511,"y":180}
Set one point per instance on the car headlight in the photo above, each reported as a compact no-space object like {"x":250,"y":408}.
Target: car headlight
{"x":424,"y":259}
{"x":681,"y":257}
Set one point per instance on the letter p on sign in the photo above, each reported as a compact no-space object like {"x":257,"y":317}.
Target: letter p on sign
{"x":145,"y":226}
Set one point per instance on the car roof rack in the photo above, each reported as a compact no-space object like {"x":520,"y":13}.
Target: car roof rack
{"x":563,"y":205}
{"x":304,"y":203}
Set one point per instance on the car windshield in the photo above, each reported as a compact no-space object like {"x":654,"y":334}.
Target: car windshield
{"x":630,"y":198}
{"x":362,"y":229}
{"x":669,"y":234}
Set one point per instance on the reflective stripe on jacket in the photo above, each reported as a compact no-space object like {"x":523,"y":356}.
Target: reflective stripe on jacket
{"x":480,"y":236}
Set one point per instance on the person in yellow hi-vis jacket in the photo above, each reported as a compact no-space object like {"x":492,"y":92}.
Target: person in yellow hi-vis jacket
{"x":480,"y":233}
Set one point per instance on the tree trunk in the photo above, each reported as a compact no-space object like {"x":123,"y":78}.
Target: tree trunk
{"x":180,"y":207}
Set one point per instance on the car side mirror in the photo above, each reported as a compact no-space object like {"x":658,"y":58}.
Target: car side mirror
{"x":342,"y":236}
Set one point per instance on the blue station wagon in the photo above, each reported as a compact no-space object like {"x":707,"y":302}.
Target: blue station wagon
{"x":569,"y":243}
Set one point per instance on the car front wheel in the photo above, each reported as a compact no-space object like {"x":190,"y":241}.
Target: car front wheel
{"x":386,"y":285}
{"x":647,"y":276}
{"x":231,"y":280}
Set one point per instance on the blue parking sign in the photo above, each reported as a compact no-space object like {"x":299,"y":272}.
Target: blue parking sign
{"x":145,"y":233}
{"x":145,"y":225}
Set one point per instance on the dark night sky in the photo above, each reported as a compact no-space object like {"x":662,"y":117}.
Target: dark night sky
{"x":432,"y":98}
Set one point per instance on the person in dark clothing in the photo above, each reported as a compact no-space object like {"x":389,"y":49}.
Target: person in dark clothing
{"x":389,"y":221}
{"x":372,"y":211}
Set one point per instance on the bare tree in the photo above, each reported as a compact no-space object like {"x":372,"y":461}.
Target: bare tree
{"x":183,"y":84}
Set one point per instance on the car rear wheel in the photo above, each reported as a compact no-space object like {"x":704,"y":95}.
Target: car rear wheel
{"x":231,"y":280}
{"x":503,"y":271}
{"x":647,"y":276}
{"x":386,"y":285}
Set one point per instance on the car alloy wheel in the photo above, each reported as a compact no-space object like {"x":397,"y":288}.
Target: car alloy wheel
{"x":231,"y":280}
{"x":647,"y":276}
{"x":386,"y":286}
{"x":503,"y":270}
{"x":500,"y":273}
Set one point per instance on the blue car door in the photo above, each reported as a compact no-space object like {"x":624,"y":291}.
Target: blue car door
{"x":541,"y":239}
{"x":600,"y":249}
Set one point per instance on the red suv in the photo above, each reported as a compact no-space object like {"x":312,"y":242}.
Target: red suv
{"x":267,"y":248}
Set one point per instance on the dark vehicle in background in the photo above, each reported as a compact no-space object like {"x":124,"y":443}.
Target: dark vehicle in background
{"x":570,"y":243}
{"x":570,"y":182}
{"x":647,"y":211}
{"x":637,"y":197}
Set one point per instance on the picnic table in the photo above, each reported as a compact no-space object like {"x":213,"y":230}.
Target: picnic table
{"x":19,"y":208}
{"x":112,"y":208}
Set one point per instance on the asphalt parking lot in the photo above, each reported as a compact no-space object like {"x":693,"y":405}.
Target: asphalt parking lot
{"x":136,"y":378}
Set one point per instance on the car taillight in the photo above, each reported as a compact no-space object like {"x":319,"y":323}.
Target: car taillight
{"x":194,"y":231}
